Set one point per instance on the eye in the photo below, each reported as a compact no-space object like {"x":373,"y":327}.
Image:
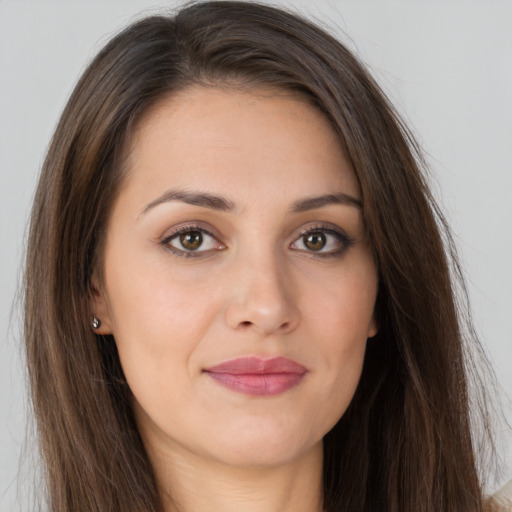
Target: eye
{"x":323,"y":241}
{"x":190,"y":240}
{"x":314,"y":241}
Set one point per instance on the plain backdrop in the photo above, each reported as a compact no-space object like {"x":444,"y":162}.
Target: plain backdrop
{"x":446,"y":64}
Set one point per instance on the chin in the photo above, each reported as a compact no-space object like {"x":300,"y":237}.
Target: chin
{"x":264,"y":446}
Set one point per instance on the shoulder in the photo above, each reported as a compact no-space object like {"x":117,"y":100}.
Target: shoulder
{"x":502,"y":500}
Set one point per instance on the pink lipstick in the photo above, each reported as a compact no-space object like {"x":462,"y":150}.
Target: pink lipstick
{"x":258,"y":377}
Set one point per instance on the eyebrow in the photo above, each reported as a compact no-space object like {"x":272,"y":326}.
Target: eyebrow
{"x":220,"y":203}
{"x":196,"y":198}
{"x":318,"y":202}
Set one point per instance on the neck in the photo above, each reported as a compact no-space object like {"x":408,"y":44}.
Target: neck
{"x":191,"y":484}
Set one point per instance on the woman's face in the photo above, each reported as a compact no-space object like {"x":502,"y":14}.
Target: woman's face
{"x":237,"y":280}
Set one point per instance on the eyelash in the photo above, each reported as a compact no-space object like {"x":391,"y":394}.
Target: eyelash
{"x":182,"y":253}
{"x":342,"y":238}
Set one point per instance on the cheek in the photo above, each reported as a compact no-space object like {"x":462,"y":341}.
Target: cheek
{"x":343,"y":310}
{"x":158,"y":321}
{"x":340,"y":372}
{"x":150,"y":297}
{"x":344,"y":306}
{"x":158,"y":325}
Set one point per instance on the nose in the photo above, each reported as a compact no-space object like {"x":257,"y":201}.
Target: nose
{"x":262,"y":298}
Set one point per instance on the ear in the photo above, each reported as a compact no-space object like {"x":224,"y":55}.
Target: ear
{"x":373,"y":328}
{"x":100,"y":307}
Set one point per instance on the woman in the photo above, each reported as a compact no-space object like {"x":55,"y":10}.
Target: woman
{"x":235,"y":310}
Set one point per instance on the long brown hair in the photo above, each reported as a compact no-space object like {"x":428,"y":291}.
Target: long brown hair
{"x":405,"y":442}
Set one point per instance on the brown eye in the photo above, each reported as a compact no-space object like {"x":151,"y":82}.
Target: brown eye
{"x":323,"y":242}
{"x":314,"y":241}
{"x":191,"y":240}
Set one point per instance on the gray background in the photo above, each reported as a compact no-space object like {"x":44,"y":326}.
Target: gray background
{"x":446,"y":64}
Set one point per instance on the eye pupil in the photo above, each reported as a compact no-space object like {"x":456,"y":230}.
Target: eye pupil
{"x":315,"y":241}
{"x":191,"y":240}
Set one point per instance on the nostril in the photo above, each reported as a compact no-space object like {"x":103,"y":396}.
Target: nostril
{"x":247,"y":323}
{"x":265,"y":318}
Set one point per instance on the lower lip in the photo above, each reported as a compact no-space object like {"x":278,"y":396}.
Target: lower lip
{"x":266,"y":384}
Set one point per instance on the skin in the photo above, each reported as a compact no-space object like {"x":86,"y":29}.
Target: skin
{"x":254,"y":288}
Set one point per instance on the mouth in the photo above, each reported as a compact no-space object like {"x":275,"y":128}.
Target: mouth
{"x":258,"y":377}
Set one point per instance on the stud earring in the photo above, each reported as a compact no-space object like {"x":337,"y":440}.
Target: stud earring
{"x":96,"y":322}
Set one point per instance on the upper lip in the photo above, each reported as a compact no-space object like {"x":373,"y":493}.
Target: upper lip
{"x":258,"y":366}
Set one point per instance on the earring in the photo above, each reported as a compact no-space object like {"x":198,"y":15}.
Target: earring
{"x":96,"y":322}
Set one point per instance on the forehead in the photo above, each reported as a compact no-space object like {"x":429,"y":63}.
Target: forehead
{"x":236,"y":141}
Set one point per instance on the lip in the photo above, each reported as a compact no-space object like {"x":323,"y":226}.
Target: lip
{"x":258,"y":377}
